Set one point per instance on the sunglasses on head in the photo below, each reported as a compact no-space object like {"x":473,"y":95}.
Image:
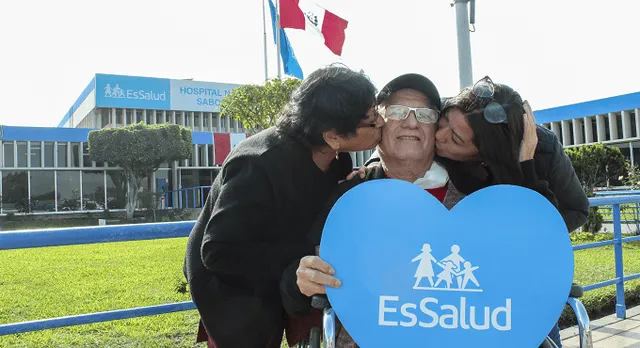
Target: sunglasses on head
{"x":401,"y":112}
{"x":493,"y":112}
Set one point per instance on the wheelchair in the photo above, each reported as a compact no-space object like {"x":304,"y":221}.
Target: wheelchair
{"x":327,"y":335}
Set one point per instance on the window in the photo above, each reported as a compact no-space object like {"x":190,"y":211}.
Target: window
{"x":93,"y":190}
{"x":210,"y":155}
{"x":36,"y":154}
{"x":205,"y":120}
{"x":43,"y":196}
{"x":22,"y":154}
{"x":75,"y":154}
{"x":15,"y":192}
{"x":116,"y":190}
{"x":194,"y":156}
{"x":9,"y":160}
{"x":105,"y":116}
{"x":86,"y":159}
{"x":202,"y":155}
{"x":48,"y":154}
{"x":62,"y":154}
{"x":68,"y":190}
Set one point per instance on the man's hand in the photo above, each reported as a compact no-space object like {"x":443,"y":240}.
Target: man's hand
{"x":313,"y":274}
{"x":362,"y":172}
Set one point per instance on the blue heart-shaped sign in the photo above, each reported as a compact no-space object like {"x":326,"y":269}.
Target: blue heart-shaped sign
{"x":495,"y":271}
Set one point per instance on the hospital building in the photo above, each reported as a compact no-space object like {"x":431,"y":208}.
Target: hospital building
{"x":47,"y":170}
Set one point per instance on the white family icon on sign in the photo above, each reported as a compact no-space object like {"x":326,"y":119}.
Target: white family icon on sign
{"x":115,"y":92}
{"x":451,"y":266}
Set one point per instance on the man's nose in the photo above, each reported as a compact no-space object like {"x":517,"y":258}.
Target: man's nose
{"x":411,"y":120}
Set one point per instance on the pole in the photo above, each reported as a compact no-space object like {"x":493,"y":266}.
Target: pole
{"x":278,"y":35}
{"x":464,"y":44}
{"x":264,"y":37}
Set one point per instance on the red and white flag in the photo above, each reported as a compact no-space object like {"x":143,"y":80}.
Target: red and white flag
{"x":309,"y":16}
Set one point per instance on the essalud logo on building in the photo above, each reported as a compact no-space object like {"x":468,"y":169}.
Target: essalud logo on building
{"x":117,"y":92}
{"x":454,"y":274}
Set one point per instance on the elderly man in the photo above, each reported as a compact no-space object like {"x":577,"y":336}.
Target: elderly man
{"x":410,"y":106}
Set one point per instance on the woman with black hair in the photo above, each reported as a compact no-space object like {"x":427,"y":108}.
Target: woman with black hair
{"x":264,"y":200}
{"x":487,"y":135}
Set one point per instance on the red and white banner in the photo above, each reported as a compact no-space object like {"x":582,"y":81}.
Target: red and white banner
{"x":223,"y":143}
{"x":221,"y":147}
{"x":309,"y":16}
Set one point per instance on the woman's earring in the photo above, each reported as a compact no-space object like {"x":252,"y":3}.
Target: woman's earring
{"x":337,"y":152}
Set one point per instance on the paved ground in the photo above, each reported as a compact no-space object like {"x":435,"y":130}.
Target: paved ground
{"x":609,"y":332}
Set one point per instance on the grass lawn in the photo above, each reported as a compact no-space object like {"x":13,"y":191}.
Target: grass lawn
{"x":58,"y":281}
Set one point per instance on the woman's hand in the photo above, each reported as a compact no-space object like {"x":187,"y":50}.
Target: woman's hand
{"x":313,"y":274}
{"x":530,"y":137}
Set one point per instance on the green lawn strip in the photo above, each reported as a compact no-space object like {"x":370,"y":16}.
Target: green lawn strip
{"x":60,"y":281}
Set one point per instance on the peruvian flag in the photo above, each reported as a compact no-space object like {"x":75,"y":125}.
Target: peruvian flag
{"x":307,"y":15}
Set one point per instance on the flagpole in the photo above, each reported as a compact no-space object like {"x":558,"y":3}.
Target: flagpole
{"x":278,"y":35}
{"x":264,"y":37}
{"x":465,"y":70}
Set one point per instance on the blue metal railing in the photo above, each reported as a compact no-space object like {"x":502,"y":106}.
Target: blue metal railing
{"x":617,"y":241}
{"x":189,"y":197}
{"x":629,"y":214}
{"x":121,"y":233}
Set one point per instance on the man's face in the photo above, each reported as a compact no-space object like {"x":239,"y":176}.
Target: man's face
{"x":407,"y":139}
{"x":454,"y":138}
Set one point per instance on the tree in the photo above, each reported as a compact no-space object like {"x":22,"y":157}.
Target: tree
{"x":597,"y":165}
{"x":257,"y":106}
{"x":139,"y":149}
{"x":633,"y":176}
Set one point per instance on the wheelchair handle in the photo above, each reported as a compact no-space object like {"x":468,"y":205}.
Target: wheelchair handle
{"x":320,"y":302}
{"x":576,"y":291}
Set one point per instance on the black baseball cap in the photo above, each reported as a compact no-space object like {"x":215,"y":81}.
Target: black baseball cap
{"x":411,"y":81}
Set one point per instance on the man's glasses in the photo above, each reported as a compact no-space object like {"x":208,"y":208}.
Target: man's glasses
{"x":493,"y":112}
{"x":401,"y":112}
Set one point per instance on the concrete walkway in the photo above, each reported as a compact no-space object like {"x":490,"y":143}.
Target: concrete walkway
{"x":609,"y":332}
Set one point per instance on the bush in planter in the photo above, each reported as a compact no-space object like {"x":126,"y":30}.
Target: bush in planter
{"x":594,"y":221}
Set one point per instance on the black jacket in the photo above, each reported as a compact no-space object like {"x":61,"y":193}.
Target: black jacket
{"x":254,"y":223}
{"x":553,"y":177}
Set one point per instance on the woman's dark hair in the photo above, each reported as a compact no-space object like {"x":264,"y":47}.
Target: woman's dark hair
{"x":334,"y":97}
{"x":498,"y":143}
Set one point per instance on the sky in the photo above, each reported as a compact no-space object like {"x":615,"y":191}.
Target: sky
{"x":553,"y":52}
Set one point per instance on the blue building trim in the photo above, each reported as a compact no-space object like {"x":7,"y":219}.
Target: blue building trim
{"x":11,"y":133}
{"x":202,"y":138}
{"x":589,"y":108}
{"x":90,"y":87}
{"x":18,"y":133}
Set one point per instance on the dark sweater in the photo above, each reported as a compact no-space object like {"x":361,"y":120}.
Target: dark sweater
{"x":254,"y":223}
